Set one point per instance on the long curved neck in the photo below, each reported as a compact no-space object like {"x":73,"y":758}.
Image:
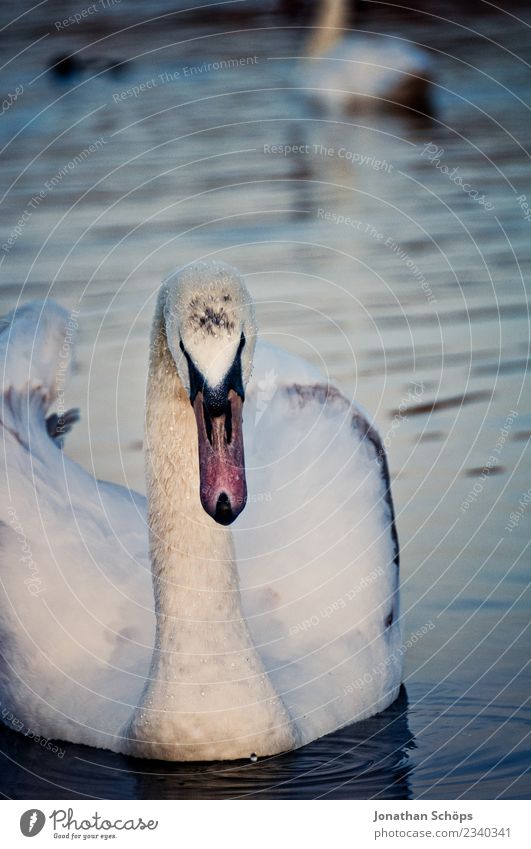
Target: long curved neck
{"x":332,"y":17}
{"x":207,"y":695}
{"x":192,"y":557}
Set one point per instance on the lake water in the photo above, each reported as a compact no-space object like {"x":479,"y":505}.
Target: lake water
{"x":419,"y":310}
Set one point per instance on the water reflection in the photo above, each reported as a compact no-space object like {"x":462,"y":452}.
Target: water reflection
{"x":363,"y":761}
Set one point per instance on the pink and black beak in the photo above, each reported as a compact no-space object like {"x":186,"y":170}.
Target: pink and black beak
{"x":218,"y":414}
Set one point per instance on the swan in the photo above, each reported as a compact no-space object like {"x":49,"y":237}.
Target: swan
{"x":364,"y":71}
{"x":153,"y":628}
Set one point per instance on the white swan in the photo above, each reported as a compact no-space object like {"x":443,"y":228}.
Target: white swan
{"x":260,"y":640}
{"x":364,"y":71}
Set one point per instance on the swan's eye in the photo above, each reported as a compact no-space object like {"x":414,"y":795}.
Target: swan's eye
{"x":197,"y":381}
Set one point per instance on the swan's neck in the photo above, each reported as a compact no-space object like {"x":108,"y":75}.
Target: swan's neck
{"x":207,"y":695}
{"x":331,"y":18}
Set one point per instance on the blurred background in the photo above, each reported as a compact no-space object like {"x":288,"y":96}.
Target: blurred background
{"x":389,"y":246}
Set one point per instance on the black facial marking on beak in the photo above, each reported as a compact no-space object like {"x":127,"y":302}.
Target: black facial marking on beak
{"x":228,"y":424}
{"x":215,"y":399}
{"x":208,"y":422}
{"x":197,"y":381}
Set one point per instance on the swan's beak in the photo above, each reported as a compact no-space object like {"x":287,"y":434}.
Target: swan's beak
{"x":223,"y":489}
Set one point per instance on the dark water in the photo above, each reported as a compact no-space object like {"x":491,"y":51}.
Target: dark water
{"x":421,"y":313}
{"x":366,"y":759}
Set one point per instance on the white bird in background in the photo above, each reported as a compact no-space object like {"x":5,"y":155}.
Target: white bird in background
{"x":357,"y":71}
{"x":208,"y":643}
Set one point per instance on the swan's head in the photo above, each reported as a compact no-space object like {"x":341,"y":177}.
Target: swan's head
{"x":211,"y":332}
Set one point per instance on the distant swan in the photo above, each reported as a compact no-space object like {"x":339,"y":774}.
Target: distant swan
{"x":354,"y":71}
{"x":207,"y":644}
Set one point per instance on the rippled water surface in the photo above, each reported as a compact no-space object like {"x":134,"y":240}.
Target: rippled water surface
{"x":419,"y":309}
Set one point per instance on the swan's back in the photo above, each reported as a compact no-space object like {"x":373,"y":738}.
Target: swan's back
{"x":317,"y":550}
{"x":370,"y":72}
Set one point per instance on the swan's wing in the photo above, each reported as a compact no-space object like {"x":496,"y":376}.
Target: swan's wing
{"x":317,"y":548}
{"x":76,"y":621}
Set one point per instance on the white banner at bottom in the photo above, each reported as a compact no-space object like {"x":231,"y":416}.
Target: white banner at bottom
{"x":267,"y":824}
